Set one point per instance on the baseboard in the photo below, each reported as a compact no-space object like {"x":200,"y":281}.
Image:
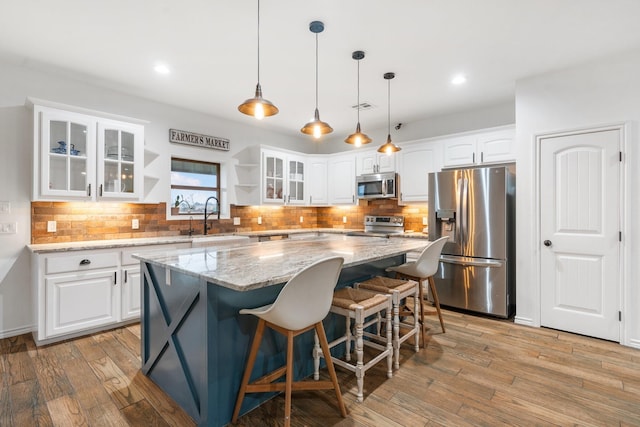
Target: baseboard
{"x":519,"y":320}
{"x":17,"y":331}
{"x":634,"y":343}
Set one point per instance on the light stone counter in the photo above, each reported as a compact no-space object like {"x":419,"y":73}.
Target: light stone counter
{"x":257,"y":265}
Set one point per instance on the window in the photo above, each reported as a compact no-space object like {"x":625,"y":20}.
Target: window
{"x":192,"y":183}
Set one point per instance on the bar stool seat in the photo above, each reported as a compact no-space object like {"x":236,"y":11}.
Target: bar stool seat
{"x":358,"y":305}
{"x":300,"y":306}
{"x":399,"y":290}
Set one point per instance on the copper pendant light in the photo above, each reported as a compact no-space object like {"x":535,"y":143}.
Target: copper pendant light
{"x":316,"y":127}
{"x":358,"y":138}
{"x":257,"y":106}
{"x":389,"y":147}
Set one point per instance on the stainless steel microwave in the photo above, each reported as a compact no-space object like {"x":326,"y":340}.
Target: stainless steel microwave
{"x":377,"y":185}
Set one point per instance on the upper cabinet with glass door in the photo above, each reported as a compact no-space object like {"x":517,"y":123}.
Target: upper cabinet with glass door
{"x":83,"y":157}
{"x":283,"y":179}
{"x":120,"y":174}
{"x":67,"y":155}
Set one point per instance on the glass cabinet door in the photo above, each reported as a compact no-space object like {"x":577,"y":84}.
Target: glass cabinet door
{"x":66,"y":151}
{"x":273,"y":179}
{"x":118,"y":156}
{"x":296,"y":181}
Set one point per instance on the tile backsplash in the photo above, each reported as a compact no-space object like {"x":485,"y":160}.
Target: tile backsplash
{"x":78,"y":221}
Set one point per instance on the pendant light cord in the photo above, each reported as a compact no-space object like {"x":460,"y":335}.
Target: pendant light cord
{"x":316,"y":71}
{"x":389,"y":107}
{"x":258,"y":41}
{"x":358,"y":91}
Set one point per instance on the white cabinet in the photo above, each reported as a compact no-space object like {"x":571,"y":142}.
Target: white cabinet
{"x":342,"y":180}
{"x":370,"y":161}
{"x":83,"y":157}
{"x":283,"y":178}
{"x":318,"y":170}
{"x":77,"y":292}
{"x":415,"y":161}
{"x":493,"y":146}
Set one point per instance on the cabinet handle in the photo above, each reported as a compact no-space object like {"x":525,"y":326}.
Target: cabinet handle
{"x":125,"y":276}
{"x":310,"y":200}
{"x":100,"y":192}
{"x":353,"y":198}
{"x":85,"y":262}
{"x":115,"y":278}
{"x":89,"y":190}
{"x":473,"y":158}
{"x":482,"y":157}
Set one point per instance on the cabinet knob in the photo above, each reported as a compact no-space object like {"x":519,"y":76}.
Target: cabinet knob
{"x":547,"y":243}
{"x":85,"y":262}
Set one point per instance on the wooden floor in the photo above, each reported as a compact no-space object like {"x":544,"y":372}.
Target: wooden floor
{"x":481,"y":372}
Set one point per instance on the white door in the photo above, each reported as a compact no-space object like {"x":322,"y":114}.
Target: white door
{"x":579,"y":229}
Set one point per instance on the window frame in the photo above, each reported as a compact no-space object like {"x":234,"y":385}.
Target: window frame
{"x":215,"y":189}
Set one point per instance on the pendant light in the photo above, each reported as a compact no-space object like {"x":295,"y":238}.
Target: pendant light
{"x":389,"y":147}
{"x":358,"y":138}
{"x":257,"y":106}
{"x":316,"y":127}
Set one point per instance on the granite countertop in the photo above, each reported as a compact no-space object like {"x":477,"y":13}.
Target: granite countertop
{"x":265,"y":233}
{"x":257,"y":265}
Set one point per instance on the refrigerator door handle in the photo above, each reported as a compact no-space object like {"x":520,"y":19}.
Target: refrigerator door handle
{"x":458,"y":235}
{"x":464,"y":232}
{"x":474,"y":262}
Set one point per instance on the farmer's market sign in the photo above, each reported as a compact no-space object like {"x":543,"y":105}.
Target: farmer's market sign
{"x":199,"y":140}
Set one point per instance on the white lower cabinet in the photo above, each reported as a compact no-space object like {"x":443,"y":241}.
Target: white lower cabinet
{"x":77,"y":292}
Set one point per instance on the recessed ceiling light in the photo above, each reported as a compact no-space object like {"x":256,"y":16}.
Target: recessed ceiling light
{"x":458,"y":79}
{"x":161,"y":69}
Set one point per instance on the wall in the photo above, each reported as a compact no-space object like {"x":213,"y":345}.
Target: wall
{"x":598,"y":93}
{"x":464,"y":121}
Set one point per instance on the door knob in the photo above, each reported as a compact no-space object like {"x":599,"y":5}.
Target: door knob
{"x":547,"y":242}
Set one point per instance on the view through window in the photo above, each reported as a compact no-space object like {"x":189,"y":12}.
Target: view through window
{"x":192,"y":183}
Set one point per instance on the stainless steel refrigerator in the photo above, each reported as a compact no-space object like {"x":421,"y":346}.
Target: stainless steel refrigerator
{"x":475,"y":208}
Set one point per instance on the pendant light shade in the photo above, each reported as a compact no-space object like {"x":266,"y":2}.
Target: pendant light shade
{"x":257,"y":106}
{"x":358,"y":138}
{"x":389,"y":147}
{"x":316,"y":127}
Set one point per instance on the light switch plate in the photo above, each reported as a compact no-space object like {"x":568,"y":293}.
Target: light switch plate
{"x":51,"y":226}
{"x":301,"y":219}
{"x":425,"y":220}
{"x":259,"y":220}
{"x":236,"y":220}
{"x":8,"y":227}
{"x":344,"y":219}
{"x":5,"y":207}
{"x":135,"y":224}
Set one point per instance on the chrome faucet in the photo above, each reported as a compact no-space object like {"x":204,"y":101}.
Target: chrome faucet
{"x":207,"y":215}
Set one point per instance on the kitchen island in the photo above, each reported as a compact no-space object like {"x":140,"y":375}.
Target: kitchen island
{"x":194,"y":342}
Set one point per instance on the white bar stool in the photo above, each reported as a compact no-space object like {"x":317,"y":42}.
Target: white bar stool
{"x":358,"y":304}
{"x":301,"y":305}
{"x":399,"y":291}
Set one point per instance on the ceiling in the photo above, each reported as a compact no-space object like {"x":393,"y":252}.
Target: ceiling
{"x":211,"y":50}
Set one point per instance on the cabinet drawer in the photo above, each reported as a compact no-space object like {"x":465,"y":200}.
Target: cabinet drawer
{"x":80,"y":262}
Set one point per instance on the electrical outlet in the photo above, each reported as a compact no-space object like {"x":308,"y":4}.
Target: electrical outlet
{"x":259,"y":220}
{"x":236,"y":220}
{"x":344,"y":219}
{"x":5,"y":207}
{"x":135,"y":224}
{"x":301,"y":219}
{"x":51,"y":226}
{"x":425,"y":220}
{"x":8,"y":227}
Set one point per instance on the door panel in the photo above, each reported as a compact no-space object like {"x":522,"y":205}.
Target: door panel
{"x":579,"y":222}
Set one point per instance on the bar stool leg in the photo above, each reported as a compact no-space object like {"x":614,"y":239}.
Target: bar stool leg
{"x":332,"y":370}
{"x":390,"y":345}
{"x":396,"y":328}
{"x":360,"y":371}
{"x":349,"y":338}
{"x":288,"y":380}
{"x":316,"y":357}
{"x":253,"y":353}
{"x":416,"y":322}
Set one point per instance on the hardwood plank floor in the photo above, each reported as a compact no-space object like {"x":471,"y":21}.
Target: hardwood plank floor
{"x":482,"y":372}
